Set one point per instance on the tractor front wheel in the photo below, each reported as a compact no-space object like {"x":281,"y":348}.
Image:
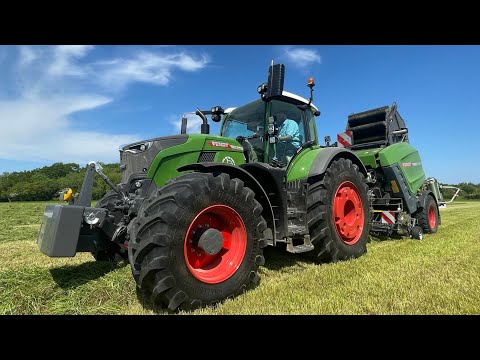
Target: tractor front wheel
{"x":339,"y":213}
{"x":197,"y":241}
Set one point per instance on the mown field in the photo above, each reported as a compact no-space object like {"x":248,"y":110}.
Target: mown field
{"x":438,"y":275}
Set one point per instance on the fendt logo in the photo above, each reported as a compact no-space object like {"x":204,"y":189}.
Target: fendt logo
{"x":224,"y":145}
{"x":228,"y":160}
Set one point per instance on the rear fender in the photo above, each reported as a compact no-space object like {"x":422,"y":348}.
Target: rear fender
{"x":327,"y":155}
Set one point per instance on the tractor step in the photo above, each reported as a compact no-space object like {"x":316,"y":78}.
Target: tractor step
{"x":306,"y":246}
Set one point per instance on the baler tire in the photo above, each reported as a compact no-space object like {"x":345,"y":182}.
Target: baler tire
{"x":161,"y":239}
{"x":330,"y":242}
{"x":429,"y":216}
{"x":417,"y":232}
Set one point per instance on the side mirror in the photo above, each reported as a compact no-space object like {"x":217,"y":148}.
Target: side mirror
{"x":327,"y":140}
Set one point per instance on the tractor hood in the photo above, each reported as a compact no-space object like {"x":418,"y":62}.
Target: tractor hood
{"x":159,"y":158}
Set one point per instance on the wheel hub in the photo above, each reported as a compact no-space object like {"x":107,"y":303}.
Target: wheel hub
{"x":215,"y":244}
{"x":348,"y":213}
{"x":211,"y":241}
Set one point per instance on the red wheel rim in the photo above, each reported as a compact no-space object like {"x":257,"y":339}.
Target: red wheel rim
{"x":348,"y":213}
{"x":213,"y":269}
{"x":432,"y":217}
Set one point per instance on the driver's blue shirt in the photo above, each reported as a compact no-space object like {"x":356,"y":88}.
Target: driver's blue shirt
{"x":290,"y":127}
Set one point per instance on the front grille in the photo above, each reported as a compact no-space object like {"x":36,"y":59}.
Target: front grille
{"x":206,"y":156}
{"x":135,"y":161}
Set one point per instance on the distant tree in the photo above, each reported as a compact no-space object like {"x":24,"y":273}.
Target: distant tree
{"x":469,"y":188}
{"x":46,"y":182}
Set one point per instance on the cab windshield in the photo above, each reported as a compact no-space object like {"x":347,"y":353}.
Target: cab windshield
{"x":248,"y":122}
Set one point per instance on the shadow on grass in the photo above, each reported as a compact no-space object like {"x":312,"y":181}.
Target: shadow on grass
{"x":72,"y":276}
{"x":277,"y":258}
{"x":149,"y":305}
{"x":380,"y":238}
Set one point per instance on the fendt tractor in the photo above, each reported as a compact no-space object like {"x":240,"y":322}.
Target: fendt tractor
{"x":194,"y":212}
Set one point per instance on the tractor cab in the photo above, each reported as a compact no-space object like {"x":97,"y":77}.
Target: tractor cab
{"x":261,"y":127}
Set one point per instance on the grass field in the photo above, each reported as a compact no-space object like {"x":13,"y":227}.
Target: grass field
{"x":438,"y":275}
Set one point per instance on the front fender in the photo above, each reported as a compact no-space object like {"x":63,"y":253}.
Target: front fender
{"x":248,"y":180}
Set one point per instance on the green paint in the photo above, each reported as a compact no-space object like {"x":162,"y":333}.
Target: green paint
{"x":368,"y":157}
{"x":408,"y":159}
{"x":300,"y":166}
{"x":164,"y":166}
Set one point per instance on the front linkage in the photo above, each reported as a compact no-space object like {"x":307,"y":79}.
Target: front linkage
{"x":78,"y":227}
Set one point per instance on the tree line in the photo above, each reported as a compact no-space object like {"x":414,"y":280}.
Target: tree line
{"x":45,"y":183}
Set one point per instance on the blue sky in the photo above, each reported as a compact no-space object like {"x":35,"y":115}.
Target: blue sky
{"x":78,"y":103}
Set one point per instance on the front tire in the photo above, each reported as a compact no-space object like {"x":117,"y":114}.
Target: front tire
{"x":339,"y":213}
{"x":197,"y":241}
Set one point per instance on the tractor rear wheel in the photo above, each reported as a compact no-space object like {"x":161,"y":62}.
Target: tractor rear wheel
{"x":113,"y":252}
{"x":428,"y":217}
{"x":339,"y":213}
{"x":197,"y":241}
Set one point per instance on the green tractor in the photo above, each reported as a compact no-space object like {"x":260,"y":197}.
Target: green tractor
{"x":195,"y":211}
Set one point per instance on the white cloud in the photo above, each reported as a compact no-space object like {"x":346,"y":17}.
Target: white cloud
{"x":302,"y":57}
{"x":38,"y":124}
{"x":27,"y":55}
{"x":146,"y":67}
{"x":64,"y":60}
{"x":42,"y":130}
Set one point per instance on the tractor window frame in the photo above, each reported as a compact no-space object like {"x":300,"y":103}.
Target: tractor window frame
{"x":311,"y":128}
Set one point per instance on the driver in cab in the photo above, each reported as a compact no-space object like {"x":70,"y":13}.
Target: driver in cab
{"x":288,"y":136}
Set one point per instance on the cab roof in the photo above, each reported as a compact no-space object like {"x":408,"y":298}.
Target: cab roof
{"x":286,"y":94}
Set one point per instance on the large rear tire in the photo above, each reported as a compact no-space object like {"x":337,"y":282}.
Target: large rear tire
{"x":339,"y":213}
{"x":113,"y":251}
{"x":428,"y":217}
{"x":197,"y":241}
